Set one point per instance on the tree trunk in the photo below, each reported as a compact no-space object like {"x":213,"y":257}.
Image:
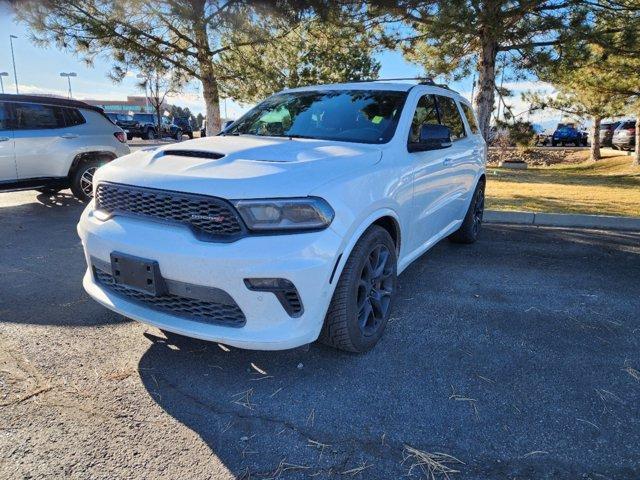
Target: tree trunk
{"x":636,"y":160}
{"x":207,"y":74}
{"x":485,"y":92}
{"x":595,"y":139}
{"x":212,"y":104}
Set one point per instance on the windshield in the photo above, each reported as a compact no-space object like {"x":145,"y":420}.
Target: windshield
{"x":362,"y":116}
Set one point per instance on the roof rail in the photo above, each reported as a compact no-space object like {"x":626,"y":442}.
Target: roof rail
{"x":421,"y":80}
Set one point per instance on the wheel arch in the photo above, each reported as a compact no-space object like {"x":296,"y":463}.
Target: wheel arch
{"x":387,"y":219}
{"x":84,"y":156}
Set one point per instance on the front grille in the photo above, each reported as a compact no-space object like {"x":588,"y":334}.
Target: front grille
{"x":188,"y":308}
{"x":207,"y":216}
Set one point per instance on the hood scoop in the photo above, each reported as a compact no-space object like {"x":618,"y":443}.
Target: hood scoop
{"x":191,"y":153}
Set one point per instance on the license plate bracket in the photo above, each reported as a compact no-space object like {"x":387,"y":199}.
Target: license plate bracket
{"x":137,"y":273}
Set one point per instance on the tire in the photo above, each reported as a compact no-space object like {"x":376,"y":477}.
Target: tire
{"x":150,"y":134}
{"x":129,"y":137}
{"x":178,"y":135}
{"x":365,"y":294}
{"x":470,"y":228}
{"x":554,"y":143}
{"x":190,"y":134}
{"x":82,"y":180}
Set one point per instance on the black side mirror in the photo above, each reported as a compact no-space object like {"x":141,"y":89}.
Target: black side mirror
{"x":227,"y":124}
{"x":432,"y":137}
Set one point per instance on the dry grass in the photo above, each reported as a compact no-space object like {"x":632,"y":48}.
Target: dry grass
{"x":608,"y":187}
{"x":431,"y":465}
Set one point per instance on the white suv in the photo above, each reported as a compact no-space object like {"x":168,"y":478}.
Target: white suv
{"x":294,"y":223}
{"x":49,"y":143}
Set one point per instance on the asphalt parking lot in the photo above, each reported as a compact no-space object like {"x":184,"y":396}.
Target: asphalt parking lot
{"x":519,"y":356}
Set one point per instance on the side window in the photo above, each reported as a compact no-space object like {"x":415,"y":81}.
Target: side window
{"x":450,"y":117}
{"x":4,"y":116}
{"x":73,"y":117}
{"x":32,"y":116}
{"x":426,"y":113}
{"x":471,"y":118}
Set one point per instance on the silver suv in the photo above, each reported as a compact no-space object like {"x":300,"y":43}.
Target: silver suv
{"x":49,"y":144}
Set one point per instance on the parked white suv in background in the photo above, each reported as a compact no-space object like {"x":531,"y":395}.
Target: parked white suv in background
{"x":49,"y":144}
{"x":294,"y":223}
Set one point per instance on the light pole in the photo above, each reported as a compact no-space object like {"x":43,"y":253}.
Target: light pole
{"x":146,"y":99}
{"x":69,"y":75}
{"x":3,"y":74}
{"x":13,"y":59}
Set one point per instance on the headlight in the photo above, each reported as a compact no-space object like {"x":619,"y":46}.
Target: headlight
{"x":308,"y":213}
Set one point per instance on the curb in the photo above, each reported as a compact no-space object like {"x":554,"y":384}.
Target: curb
{"x":563,"y":220}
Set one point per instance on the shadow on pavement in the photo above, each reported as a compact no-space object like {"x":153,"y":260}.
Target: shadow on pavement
{"x":515,"y":355}
{"x":42,"y":264}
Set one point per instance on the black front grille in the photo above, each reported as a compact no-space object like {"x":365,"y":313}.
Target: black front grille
{"x":208,"y":216}
{"x":189,"y":308}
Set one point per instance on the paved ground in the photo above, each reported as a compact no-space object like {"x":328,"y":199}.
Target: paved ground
{"x":519,"y":356}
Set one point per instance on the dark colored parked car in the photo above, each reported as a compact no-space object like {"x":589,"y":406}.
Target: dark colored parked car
{"x":145,"y":126}
{"x":568,"y":134}
{"x":624,"y":137}
{"x":184,"y":124}
{"x":606,"y":133}
{"x":123,"y":120}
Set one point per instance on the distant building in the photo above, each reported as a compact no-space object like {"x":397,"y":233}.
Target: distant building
{"x":133,"y":104}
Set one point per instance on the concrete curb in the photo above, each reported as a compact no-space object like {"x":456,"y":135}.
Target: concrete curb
{"x":563,"y":220}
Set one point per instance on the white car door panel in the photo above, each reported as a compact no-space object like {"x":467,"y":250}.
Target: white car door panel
{"x":7,"y":156}
{"x":42,"y":141}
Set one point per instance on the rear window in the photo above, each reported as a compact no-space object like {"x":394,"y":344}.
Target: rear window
{"x":471,"y":118}
{"x":73,"y":117}
{"x":450,"y":117}
{"x":32,"y":116}
{"x":627,"y":125}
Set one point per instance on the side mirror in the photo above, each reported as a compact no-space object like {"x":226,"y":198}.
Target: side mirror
{"x":432,"y":137}
{"x":227,"y":124}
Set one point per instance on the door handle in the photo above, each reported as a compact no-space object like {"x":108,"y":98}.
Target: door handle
{"x":4,"y":139}
{"x":70,"y":135}
{"x":447,"y":161}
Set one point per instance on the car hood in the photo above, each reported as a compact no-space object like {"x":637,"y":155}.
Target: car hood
{"x":247,"y":167}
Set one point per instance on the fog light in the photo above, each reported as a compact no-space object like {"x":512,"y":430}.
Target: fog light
{"x":284,"y":290}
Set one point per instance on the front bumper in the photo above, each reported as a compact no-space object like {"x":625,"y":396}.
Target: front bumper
{"x":307,"y":260}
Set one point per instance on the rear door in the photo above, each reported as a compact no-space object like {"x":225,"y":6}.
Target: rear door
{"x":461,"y":161}
{"x":7,"y":157}
{"x":42,"y":140}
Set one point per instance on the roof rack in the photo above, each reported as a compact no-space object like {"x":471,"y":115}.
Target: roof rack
{"x":421,"y":80}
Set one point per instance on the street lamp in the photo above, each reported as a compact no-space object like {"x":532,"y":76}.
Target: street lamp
{"x":3,"y":74}
{"x":69,"y":75}
{"x":13,"y":59}
{"x":146,"y":99}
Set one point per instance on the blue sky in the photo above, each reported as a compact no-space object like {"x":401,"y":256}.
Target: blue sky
{"x":39,"y":72}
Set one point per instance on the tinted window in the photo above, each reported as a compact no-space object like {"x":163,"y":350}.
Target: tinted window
{"x":450,"y":117}
{"x":73,"y":117}
{"x":471,"y":118}
{"x":32,"y":116}
{"x":426,"y":113}
{"x":144,"y":117}
{"x":347,"y":115}
{"x":4,"y":117}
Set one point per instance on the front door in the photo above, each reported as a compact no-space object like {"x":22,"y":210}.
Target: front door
{"x":7,"y":157}
{"x":431,"y":185}
{"x":41,"y":140}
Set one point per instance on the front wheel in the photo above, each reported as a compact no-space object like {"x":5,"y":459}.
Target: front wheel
{"x":470,"y":228}
{"x":82,"y":181}
{"x":365,"y":294}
